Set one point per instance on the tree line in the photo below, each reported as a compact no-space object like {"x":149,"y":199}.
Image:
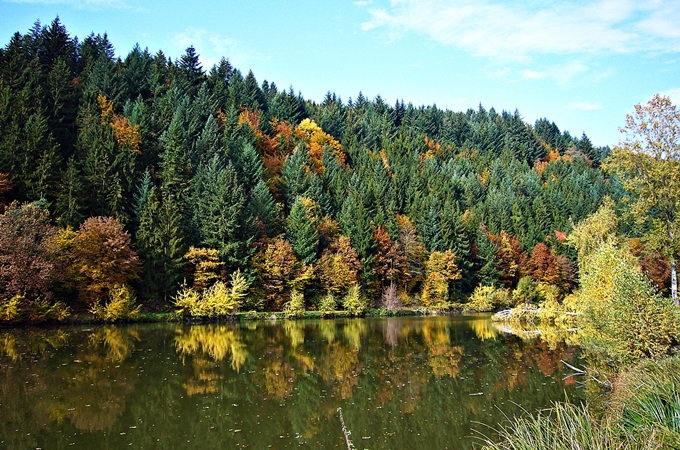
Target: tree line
{"x":154,"y":177}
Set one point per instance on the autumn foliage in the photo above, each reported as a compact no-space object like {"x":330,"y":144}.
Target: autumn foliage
{"x":28,"y":262}
{"x":101,"y":259}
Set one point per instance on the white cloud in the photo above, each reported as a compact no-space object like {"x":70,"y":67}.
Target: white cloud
{"x":673,"y":94}
{"x":533,"y":75}
{"x":82,"y":4}
{"x":211,"y":47}
{"x":520,"y":29}
{"x":585,"y":106}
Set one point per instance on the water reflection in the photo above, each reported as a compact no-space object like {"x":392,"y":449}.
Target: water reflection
{"x":402,"y":383}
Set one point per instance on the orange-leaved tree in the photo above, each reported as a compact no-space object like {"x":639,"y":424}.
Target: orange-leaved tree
{"x":275,"y":268}
{"x":101,"y":259}
{"x":339,"y":267}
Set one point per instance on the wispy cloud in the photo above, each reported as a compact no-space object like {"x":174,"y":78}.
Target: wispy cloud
{"x":83,"y":4}
{"x":585,"y":106}
{"x":521,"y":29}
{"x":673,"y":94}
{"x":533,"y":75}
{"x":212,"y":46}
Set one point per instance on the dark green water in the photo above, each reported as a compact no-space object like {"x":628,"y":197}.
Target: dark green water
{"x":402,"y":383}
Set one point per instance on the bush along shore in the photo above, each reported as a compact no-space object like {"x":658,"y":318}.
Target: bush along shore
{"x":631,"y":334}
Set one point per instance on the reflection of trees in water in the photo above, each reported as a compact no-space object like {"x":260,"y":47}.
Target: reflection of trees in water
{"x":339,"y":367}
{"x":96,"y":385}
{"x":550,"y":334}
{"x":207,"y":344}
{"x":118,"y":342}
{"x":482,"y":327}
{"x":390,"y":375}
{"x":295,"y":331}
{"x":33,"y":341}
{"x":59,"y":377}
{"x":215,"y":341}
{"x":393,"y":330}
{"x":353,"y":330}
{"x":327,"y":330}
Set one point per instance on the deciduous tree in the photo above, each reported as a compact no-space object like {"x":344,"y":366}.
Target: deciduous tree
{"x":102,"y":258}
{"x":648,"y":161}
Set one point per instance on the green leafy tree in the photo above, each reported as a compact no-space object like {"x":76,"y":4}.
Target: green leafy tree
{"x":648,"y":162}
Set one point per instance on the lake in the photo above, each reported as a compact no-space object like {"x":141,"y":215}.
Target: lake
{"x":401,"y":383}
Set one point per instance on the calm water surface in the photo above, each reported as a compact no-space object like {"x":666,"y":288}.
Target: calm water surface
{"x":402,"y":383}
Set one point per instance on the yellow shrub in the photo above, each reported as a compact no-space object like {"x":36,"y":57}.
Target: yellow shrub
{"x":121,"y":305}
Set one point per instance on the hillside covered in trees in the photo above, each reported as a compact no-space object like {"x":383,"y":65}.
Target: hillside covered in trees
{"x":149,"y":175}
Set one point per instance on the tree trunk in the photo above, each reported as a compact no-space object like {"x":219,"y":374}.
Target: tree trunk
{"x":674,"y":283}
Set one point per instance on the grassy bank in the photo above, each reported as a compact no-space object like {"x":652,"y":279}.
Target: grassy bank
{"x":165,"y":317}
{"x":644,"y":413}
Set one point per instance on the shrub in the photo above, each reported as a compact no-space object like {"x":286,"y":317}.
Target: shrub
{"x":353,"y":302}
{"x":121,"y":305}
{"x":19,"y":309}
{"x":620,"y":309}
{"x":295,"y":306}
{"x":486,"y":298}
{"x":525,"y":292}
{"x":216,"y":301}
{"x":328,"y":303}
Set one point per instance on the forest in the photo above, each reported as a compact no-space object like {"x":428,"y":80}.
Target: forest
{"x":150,"y":182}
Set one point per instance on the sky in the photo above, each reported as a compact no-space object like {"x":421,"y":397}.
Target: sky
{"x":581,"y":64}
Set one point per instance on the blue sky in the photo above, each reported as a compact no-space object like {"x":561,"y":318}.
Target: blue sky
{"x":582,"y":64}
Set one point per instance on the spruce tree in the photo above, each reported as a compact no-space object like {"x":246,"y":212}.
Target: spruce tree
{"x":301,"y":230}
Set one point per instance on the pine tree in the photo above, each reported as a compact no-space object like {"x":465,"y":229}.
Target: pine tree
{"x":296,"y":175}
{"x":487,"y":269}
{"x":160,"y":243}
{"x":301,"y":230}
{"x":262,"y":207}
{"x":70,"y":197}
{"x":219,"y":215}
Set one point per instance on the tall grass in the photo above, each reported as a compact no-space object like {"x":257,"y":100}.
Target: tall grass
{"x":645,"y":414}
{"x":647,"y":400}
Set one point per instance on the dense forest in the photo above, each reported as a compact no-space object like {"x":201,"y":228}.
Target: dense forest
{"x":157,"y":177}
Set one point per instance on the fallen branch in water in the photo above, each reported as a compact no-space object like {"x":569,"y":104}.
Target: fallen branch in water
{"x":347,"y":433}
{"x":606,"y":383}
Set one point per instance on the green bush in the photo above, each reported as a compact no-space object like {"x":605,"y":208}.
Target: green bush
{"x":328,"y":303}
{"x":295,"y":306}
{"x":525,"y":292}
{"x":354,"y":302}
{"x":621,"y":312}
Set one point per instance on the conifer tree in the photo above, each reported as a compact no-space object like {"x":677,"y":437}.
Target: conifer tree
{"x":301,"y":230}
{"x":219,"y":216}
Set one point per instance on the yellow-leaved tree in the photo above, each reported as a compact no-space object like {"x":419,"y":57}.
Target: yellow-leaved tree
{"x":316,"y":140}
{"x":647,"y":160}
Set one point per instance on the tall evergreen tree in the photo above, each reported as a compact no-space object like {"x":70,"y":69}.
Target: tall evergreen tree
{"x":301,"y":230}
